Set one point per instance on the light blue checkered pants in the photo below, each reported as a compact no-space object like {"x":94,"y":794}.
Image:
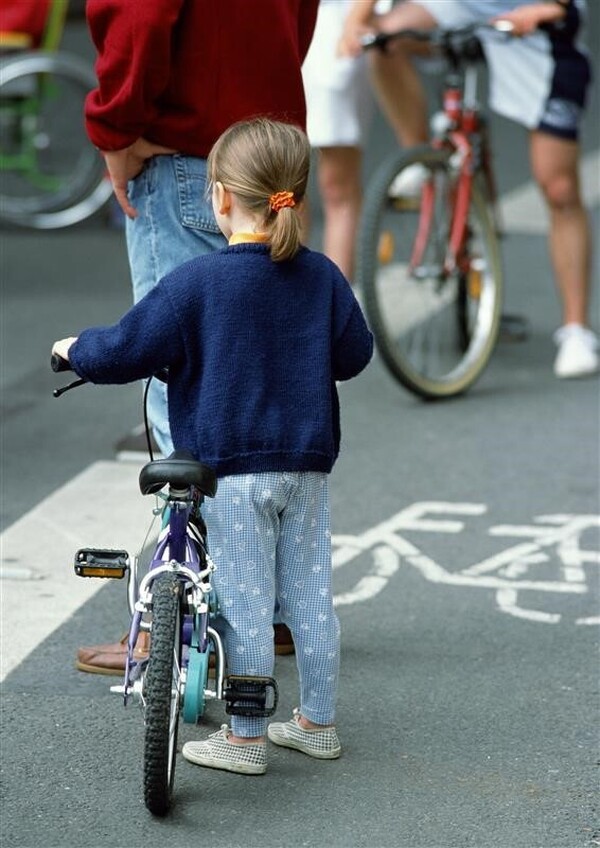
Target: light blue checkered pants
{"x":269,"y":536}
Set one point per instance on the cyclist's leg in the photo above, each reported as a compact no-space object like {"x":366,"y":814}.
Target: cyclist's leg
{"x":175,"y":223}
{"x":556,"y":168}
{"x":555,"y":165}
{"x":397,"y":83}
{"x":551,"y":106}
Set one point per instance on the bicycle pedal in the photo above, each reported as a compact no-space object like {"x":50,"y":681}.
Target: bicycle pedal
{"x":95,"y":562}
{"x":251,"y":696}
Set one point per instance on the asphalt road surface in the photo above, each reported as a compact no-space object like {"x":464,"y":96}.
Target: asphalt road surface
{"x":466,"y":553}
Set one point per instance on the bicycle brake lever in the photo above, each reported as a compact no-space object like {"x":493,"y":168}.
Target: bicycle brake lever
{"x":57,"y":363}
{"x":58,"y":392}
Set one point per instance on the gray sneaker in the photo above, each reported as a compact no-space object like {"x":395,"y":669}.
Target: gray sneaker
{"x":217,"y":752}
{"x":322,"y":744}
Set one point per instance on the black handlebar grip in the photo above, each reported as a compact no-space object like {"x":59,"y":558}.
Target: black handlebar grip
{"x":57,"y":363}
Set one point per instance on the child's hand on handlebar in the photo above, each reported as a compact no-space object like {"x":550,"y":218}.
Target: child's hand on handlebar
{"x":61,"y":348}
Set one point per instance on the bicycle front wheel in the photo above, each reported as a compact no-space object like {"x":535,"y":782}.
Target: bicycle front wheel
{"x":435,"y":324}
{"x":162,"y":694}
{"x":50,"y":174}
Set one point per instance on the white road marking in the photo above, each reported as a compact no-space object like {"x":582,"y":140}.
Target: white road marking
{"x":101,"y":507}
{"x":386,"y":564}
{"x":511,"y":567}
{"x":507,"y":602}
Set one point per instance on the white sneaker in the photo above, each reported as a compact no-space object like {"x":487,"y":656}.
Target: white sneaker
{"x":217,"y":752}
{"x":322,"y":744}
{"x":577,"y":351}
{"x":409,"y":181}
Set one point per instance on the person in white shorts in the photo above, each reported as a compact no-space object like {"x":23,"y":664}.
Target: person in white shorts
{"x":339,"y":101}
{"x":539,"y":79}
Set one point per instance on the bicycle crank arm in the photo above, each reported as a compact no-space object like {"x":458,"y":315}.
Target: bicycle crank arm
{"x":95,"y":562}
{"x":251,"y":696}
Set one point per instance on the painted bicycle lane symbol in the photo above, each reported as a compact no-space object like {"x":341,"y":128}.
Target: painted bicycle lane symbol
{"x":552,"y":560}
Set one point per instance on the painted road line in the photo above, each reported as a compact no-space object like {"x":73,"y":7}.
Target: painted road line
{"x":523,"y":210}
{"x":512,"y":572}
{"x":101,"y":507}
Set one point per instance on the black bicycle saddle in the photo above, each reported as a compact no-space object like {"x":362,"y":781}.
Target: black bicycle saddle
{"x":179,"y":470}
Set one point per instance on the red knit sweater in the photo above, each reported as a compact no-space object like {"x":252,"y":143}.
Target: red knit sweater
{"x":179,"y":72}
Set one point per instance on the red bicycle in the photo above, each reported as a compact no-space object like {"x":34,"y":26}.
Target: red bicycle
{"x":428,"y":261}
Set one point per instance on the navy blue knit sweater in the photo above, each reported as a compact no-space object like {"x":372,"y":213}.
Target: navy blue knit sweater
{"x":254,"y":348}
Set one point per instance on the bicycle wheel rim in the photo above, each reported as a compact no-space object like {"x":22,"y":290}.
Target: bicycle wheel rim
{"x":435,"y":330}
{"x":80,"y":211}
{"x":162,"y":694}
{"x":47,"y":164}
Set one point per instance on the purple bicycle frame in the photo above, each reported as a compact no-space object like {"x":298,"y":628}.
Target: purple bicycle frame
{"x":181,"y":549}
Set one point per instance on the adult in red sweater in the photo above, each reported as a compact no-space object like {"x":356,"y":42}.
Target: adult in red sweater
{"x":172,"y":76}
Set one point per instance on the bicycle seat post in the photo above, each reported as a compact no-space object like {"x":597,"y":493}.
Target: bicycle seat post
{"x":470,"y":101}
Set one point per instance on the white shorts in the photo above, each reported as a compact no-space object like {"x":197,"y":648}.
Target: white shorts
{"x":539,"y":81}
{"x":339,"y":98}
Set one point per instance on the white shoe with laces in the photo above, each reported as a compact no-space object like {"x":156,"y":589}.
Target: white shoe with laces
{"x":219,"y":753}
{"x":409,"y":181}
{"x":577,"y":351}
{"x":320,"y":743}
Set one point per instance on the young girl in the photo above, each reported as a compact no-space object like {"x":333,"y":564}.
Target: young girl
{"x":255,"y":337}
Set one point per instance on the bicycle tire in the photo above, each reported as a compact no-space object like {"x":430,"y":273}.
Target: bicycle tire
{"x":51,"y":175}
{"x":162,"y":694}
{"x":434,"y":335}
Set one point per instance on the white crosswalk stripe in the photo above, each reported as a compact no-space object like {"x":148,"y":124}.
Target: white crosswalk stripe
{"x":100,"y":507}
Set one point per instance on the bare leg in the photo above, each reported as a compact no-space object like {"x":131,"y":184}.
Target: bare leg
{"x":339,"y":177}
{"x":555,"y":168}
{"x":397,"y":83}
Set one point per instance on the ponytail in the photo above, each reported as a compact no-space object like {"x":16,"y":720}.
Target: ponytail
{"x":283,"y":226}
{"x":265,"y":164}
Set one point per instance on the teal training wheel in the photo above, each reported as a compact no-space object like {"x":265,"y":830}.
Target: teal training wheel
{"x":197,"y":676}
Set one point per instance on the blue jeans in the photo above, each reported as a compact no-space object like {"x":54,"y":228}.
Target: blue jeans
{"x":175,"y":223}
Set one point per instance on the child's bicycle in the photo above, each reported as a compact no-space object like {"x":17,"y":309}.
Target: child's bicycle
{"x":174,"y":600}
{"x":51,"y":176}
{"x":428,"y":261}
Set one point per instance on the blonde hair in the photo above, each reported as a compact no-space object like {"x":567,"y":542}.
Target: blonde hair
{"x":258,"y":159}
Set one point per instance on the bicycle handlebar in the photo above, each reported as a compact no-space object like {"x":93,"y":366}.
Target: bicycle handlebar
{"x":57,"y":363}
{"x":381,"y":39}
{"x":438,"y":36}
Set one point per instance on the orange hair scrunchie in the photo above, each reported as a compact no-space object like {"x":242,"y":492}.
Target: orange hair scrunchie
{"x":281,"y":199}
